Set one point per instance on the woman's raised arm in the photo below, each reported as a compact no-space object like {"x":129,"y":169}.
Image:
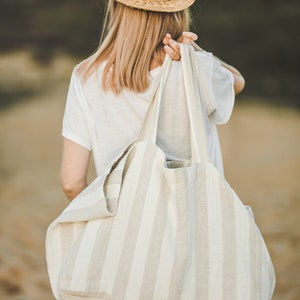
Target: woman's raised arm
{"x":172,"y":48}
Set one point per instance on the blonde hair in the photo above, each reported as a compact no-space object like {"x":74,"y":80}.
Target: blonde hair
{"x":133,"y":40}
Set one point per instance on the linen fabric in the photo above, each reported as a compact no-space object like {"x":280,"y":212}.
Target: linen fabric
{"x":157,"y":229}
{"x":106,"y":123}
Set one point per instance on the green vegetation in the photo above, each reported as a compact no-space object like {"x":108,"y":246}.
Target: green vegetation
{"x":259,"y":37}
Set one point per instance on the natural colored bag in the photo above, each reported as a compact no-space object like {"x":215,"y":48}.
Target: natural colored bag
{"x":157,"y":229}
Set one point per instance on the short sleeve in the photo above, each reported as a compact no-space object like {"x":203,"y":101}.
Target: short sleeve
{"x":217,"y":87}
{"x":223,"y":91}
{"x":75,"y":125}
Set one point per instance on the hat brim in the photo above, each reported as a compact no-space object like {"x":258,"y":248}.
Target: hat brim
{"x":158,"y":5}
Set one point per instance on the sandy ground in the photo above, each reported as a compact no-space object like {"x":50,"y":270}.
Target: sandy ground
{"x":261,"y":149}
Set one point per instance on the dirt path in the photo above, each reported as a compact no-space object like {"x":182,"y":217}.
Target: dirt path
{"x":261,"y":149}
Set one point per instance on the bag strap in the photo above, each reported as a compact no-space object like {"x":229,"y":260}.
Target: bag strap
{"x":196,"y":111}
{"x":149,"y":127}
{"x":195,"y":104}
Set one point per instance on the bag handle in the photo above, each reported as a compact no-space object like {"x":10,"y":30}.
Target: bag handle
{"x":148,"y":132}
{"x":195,"y":104}
{"x":149,"y":127}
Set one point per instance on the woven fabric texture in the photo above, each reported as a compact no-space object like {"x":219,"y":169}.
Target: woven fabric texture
{"x":158,"y":5}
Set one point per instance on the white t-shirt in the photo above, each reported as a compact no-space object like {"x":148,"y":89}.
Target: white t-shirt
{"x":106,"y":123}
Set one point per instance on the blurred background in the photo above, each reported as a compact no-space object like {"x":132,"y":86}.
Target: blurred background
{"x":40,"y":43}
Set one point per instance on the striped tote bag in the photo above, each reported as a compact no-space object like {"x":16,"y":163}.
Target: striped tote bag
{"x":152,"y":229}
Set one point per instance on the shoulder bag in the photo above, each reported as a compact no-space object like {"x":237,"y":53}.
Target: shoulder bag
{"x":152,"y":229}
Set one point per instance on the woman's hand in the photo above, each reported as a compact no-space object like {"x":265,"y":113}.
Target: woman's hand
{"x":172,"y":47}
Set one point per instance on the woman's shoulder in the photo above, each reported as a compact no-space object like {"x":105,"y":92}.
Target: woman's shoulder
{"x":81,"y":77}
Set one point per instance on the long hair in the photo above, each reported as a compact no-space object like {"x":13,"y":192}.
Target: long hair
{"x":133,"y":38}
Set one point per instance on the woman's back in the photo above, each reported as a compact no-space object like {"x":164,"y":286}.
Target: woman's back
{"x":106,"y":123}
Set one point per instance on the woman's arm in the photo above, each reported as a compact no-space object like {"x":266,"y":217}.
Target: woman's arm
{"x":74,"y":168}
{"x":239,"y":81}
{"x":172,"y":48}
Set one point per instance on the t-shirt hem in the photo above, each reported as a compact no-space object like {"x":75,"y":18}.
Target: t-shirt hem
{"x":78,"y":140}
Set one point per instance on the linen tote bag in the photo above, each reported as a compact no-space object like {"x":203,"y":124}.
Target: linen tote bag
{"x":157,"y":229}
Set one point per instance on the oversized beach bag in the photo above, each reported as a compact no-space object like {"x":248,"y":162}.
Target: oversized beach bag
{"x":158,"y":229}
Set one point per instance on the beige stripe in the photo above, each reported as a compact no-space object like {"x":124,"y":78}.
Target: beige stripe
{"x":243,"y":255}
{"x":99,"y":254}
{"x":77,"y":230}
{"x":229,"y":242}
{"x":65,"y":282}
{"x":260,"y":265}
{"x":201,"y":240}
{"x":188,"y":291}
{"x":149,"y":195}
{"x":118,"y":233}
{"x":271,"y":274}
{"x":55,"y":255}
{"x":264,"y":273}
{"x":66,"y":237}
{"x":181,"y":243}
{"x":254,"y":267}
{"x":151,"y":266}
{"x":168,"y":248}
{"x":215,"y":234}
{"x":81,"y":266}
{"x":112,"y":188}
{"x":134,"y":223}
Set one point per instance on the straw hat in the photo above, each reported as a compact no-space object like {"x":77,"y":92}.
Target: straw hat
{"x":159,"y":5}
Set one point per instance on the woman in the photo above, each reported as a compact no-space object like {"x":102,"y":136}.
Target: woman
{"x":117,"y":84}
{"x":146,"y":229}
